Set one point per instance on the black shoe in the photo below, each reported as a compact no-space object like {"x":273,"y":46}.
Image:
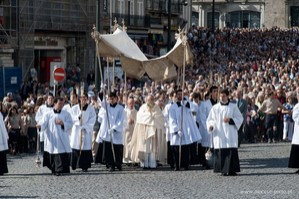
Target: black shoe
{"x":111,"y":169}
{"x":176,"y":169}
{"x":119,"y":168}
{"x":224,"y":174}
{"x":232,"y":174}
{"x":297,"y":172}
{"x":84,"y":170}
{"x":186,"y":168}
{"x":58,"y":174}
{"x":159,"y":165}
{"x":107,"y":166}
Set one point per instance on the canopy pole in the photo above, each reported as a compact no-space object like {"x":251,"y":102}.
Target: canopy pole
{"x":113,"y":75}
{"x":105,"y":104}
{"x":184,"y":39}
{"x":125,"y":87}
{"x":96,"y":36}
{"x":108,"y":76}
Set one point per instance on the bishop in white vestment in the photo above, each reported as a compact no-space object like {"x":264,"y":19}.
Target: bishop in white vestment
{"x":145,"y":143}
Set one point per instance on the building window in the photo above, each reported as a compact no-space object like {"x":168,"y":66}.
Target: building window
{"x":140,"y":8}
{"x":195,"y":18}
{"x":244,"y":19}
{"x":216,"y":19}
{"x":121,"y":6}
{"x":132,"y":12}
{"x":294,"y":16}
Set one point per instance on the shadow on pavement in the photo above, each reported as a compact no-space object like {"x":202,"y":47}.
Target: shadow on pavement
{"x":267,"y":174}
{"x":18,"y":196}
{"x":264,"y":163}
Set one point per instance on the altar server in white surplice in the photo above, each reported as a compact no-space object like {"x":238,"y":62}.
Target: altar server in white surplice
{"x":56,"y":125}
{"x":112,"y":116}
{"x":3,"y":146}
{"x":183,"y":130}
{"x":223,"y":123}
{"x":84,"y":117}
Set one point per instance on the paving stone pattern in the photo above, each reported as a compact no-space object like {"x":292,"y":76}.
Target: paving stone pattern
{"x":264,"y":174}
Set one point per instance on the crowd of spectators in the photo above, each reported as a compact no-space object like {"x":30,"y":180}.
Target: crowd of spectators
{"x":254,"y":61}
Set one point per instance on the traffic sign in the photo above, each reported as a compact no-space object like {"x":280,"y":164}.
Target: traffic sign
{"x":59,"y":74}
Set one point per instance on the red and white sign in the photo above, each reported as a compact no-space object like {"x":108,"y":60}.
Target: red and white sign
{"x":59,"y":74}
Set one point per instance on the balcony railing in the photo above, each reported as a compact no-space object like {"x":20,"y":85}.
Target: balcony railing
{"x":161,"y":6}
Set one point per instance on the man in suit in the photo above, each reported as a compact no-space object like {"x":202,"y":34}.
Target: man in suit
{"x":242,"y":105}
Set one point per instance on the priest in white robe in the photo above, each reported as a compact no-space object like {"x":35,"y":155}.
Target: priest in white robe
{"x":183,"y":130}
{"x":112,"y":116}
{"x":3,"y":147}
{"x":56,"y":125}
{"x":84,"y":117}
{"x":144,"y":145}
{"x":223,"y":123}
{"x":130,"y":122}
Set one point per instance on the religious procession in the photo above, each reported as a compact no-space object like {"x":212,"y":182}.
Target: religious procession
{"x":179,"y":117}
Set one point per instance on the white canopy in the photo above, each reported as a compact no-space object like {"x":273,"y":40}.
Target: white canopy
{"x":135,"y":63}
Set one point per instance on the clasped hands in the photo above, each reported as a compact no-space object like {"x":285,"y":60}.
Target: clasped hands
{"x":58,"y":121}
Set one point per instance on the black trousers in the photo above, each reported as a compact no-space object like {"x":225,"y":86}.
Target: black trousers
{"x":3,"y":162}
{"x":99,"y":158}
{"x":170,"y":156}
{"x":118,"y":150}
{"x":202,"y":155}
{"x":271,"y":121}
{"x":60,"y":163}
{"x":226,"y":160}
{"x":185,"y":156}
{"x":82,"y":160}
{"x":32,"y":134}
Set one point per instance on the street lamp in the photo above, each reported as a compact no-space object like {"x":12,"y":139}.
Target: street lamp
{"x":184,"y":3}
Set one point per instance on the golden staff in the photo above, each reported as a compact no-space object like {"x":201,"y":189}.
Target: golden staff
{"x":96,"y":37}
{"x":184,"y":42}
{"x":81,"y":118}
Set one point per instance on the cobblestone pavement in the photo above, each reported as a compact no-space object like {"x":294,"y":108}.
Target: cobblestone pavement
{"x":264,"y":174}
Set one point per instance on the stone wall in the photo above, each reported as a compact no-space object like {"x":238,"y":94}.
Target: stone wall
{"x":275,"y":13}
{"x":6,"y":57}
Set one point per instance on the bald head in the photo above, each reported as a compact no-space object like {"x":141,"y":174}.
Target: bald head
{"x":130,"y":102}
